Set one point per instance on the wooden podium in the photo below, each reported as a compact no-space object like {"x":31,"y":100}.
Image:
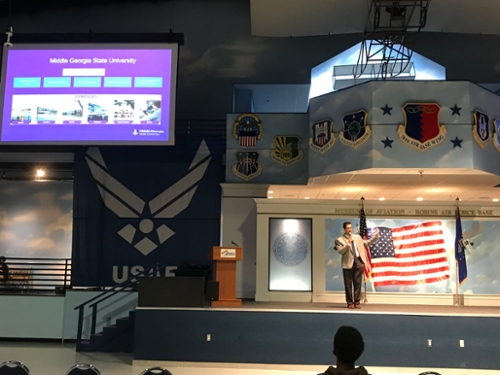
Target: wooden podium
{"x":225,"y":258}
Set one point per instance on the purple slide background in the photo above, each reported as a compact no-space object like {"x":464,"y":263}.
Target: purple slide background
{"x":36,"y":63}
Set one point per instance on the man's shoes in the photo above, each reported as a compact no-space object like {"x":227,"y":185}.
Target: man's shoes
{"x":350,"y":306}
{"x":357,"y":306}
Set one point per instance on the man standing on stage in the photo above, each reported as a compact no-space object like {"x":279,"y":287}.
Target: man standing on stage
{"x":352,"y":248}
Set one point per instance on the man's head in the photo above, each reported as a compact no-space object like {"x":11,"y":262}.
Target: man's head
{"x":157,"y":103}
{"x":2,"y":259}
{"x":348,"y":345}
{"x":347,"y":227}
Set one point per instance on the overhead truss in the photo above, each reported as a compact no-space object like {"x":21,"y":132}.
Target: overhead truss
{"x":390,"y":36}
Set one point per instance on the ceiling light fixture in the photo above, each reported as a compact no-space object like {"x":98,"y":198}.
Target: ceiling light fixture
{"x":420,"y":199}
{"x":495,"y":200}
{"x":381,"y":199}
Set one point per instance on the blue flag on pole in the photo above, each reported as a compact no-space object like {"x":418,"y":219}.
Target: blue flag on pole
{"x":460,"y":251}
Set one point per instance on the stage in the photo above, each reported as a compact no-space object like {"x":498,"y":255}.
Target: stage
{"x":302,"y":333}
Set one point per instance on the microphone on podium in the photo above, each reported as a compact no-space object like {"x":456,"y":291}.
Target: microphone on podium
{"x":234,"y":243}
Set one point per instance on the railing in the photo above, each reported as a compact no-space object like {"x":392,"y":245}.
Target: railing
{"x":127,"y":284}
{"x":37,"y":275}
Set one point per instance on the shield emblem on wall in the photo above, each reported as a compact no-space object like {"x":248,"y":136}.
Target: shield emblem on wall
{"x":247,"y":129}
{"x":247,"y":165}
{"x":421,"y":129}
{"x":355,"y":131}
{"x":481,"y":128}
{"x":286,"y":150}
{"x":322,"y":136}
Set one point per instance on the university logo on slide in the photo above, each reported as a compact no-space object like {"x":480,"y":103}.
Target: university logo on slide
{"x":421,"y":129}
{"x":166,"y":205}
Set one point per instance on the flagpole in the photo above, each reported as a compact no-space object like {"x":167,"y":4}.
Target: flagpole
{"x":364,"y":278}
{"x":456,"y":302}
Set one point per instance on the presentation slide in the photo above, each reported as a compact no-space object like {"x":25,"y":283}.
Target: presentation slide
{"x":93,"y":95}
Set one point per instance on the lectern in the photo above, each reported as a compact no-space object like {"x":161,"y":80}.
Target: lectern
{"x":225,"y":258}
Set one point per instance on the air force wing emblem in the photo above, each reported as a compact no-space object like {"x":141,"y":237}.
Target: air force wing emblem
{"x":496,"y":136}
{"x":481,"y":129}
{"x":127,"y":205}
{"x":322,"y":136}
{"x":286,"y":150}
{"x":247,"y":130}
{"x":421,"y":129}
{"x":355,"y":131}
{"x":247,"y":166}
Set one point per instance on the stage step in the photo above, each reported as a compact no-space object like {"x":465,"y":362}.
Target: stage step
{"x":114,"y":338}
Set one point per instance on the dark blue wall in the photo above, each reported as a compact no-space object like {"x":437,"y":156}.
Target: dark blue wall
{"x":306,"y":338}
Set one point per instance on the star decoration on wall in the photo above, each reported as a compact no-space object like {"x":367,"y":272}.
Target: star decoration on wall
{"x":387,"y":142}
{"x":455,"y":110}
{"x":387,"y":110}
{"x":457,"y":142}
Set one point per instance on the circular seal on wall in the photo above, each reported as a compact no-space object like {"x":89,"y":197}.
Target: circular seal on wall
{"x":290,"y":249}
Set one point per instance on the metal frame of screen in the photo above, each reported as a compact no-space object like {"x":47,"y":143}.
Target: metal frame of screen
{"x":108,"y":133}
{"x":290,"y":254}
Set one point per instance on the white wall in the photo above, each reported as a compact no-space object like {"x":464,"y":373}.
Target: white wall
{"x":239,"y":226}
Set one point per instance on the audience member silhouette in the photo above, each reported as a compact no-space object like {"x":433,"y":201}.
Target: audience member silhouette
{"x":348,"y":345}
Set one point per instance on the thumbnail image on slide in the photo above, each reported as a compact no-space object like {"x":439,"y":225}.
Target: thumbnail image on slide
{"x":97,"y":113}
{"x":21,"y":115}
{"x":151,"y":111}
{"x":46,"y":114}
{"x":124,"y":111}
{"x":71,"y":111}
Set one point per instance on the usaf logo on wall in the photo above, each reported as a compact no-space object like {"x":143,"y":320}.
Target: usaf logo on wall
{"x":481,"y":129}
{"x":355,"y":131}
{"x":496,"y":137}
{"x":247,"y":166}
{"x":286,"y":150}
{"x":421,"y":129}
{"x":323,"y":138}
{"x":247,"y":130}
{"x":290,"y":249}
{"x":166,"y":205}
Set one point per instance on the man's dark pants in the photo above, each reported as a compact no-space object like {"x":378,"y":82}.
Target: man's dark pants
{"x":352,"y":282}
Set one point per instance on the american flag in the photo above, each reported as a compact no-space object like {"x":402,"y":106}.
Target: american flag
{"x":409,"y":255}
{"x":363,"y":231}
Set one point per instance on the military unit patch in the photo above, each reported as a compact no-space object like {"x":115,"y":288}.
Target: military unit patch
{"x":421,"y":129}
{"x":247,"y":165}
{"x":355,"y":131}
{"x":286,"y":150}
{"x":323,"y":138}
{"x":481,"y":129}
{"x":247,"y":130}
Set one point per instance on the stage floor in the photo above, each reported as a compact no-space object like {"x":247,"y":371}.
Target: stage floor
{"x":431,"y":310}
